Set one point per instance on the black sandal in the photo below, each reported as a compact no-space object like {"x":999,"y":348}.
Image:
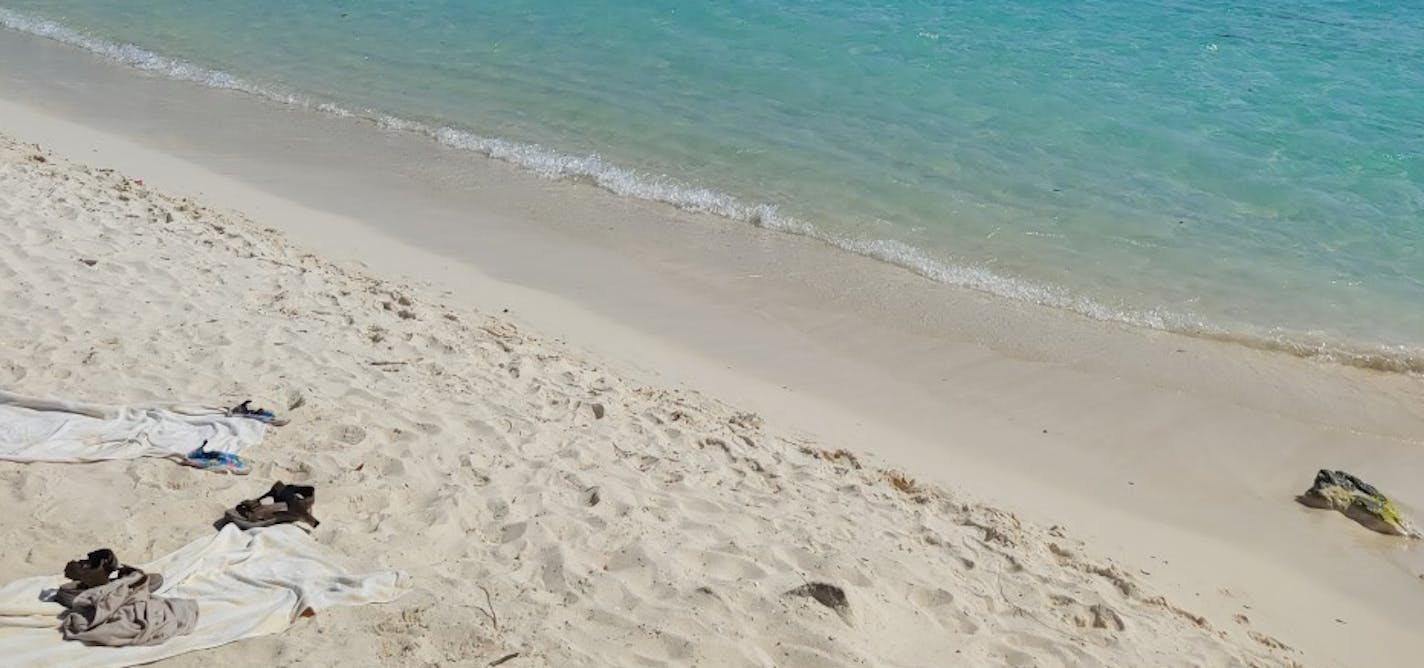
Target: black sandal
{"x":99,"y":568}
{"x":93,"y":570}
{"x":290,"y":503}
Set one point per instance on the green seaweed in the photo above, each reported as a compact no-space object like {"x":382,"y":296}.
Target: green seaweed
{"x":1358,"y":500}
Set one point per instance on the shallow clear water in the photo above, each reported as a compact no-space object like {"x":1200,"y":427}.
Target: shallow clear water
{"x":1255,"y":173}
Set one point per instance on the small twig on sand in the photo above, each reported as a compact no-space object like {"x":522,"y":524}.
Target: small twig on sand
{"x":493,"y":618}
{"x":388,"y":363}
{"x":502,"y":659}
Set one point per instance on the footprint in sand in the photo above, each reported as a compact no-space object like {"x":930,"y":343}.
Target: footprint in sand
{"x":349,"y":434}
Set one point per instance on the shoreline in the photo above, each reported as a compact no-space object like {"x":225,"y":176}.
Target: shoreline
{"x":885,"y":367}
{"x":659,"y":190}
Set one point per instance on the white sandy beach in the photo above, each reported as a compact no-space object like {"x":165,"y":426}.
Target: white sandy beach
{"x":1086,"y":494}
{"x":458,"y":447}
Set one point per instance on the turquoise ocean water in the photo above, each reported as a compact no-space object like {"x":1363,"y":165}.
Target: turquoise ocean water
{"x":1247,"y":172}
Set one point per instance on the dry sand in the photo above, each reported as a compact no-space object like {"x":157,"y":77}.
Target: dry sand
{"x":1175,"y":458}
{"x":611,"y":522}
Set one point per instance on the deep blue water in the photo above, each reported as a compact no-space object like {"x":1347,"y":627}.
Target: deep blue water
{"x":1255,"y":172}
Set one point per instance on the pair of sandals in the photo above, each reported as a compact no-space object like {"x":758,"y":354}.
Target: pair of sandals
{"x":289,"y":503}
{"x":226,"y":462}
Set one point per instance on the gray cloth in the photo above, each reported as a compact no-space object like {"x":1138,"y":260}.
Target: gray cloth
{"x":125,"y":613}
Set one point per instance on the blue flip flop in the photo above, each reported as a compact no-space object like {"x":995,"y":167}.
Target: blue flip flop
{"x":217,"y":462}
{"x":259,"y":414}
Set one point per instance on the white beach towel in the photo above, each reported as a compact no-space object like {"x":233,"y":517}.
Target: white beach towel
{"x":52,"y":430}
{"x":246,"y":584}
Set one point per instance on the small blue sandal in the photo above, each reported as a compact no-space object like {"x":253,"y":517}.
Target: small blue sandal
{"x":217,"y":462}
{"x":259,"y":414}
